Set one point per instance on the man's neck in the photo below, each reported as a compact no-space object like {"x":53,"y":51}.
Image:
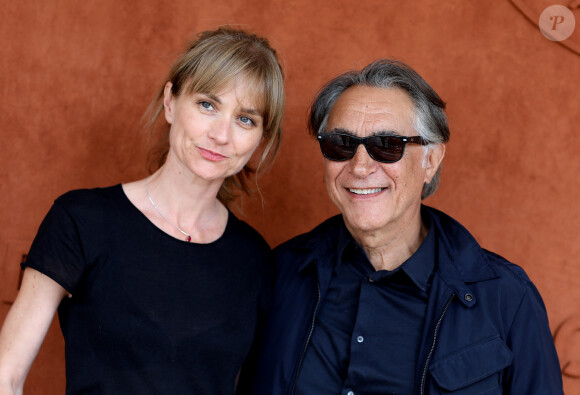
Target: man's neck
{"x":389,"y":248}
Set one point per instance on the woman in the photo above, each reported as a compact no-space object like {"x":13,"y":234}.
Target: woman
{"x":157,"y":284}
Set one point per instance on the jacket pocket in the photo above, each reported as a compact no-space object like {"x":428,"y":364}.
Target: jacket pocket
{"x":473,"y":370}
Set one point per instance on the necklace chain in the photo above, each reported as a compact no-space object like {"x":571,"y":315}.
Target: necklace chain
{"x":188,"y":235}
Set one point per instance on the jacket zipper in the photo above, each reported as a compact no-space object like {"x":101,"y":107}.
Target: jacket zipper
{"x":424,"y":375}
{"x":307,"y":341}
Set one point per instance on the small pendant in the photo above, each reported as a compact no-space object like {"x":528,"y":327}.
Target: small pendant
{"x":188,"y":239}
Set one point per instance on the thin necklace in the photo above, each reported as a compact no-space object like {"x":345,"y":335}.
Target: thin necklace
{"x":188,"y":235}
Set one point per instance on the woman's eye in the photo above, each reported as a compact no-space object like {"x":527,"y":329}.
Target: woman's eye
{"x":247,"y":121}
{"x":206,"y":105}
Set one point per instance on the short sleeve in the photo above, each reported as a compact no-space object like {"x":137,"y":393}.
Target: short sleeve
{"x":57,"y":251}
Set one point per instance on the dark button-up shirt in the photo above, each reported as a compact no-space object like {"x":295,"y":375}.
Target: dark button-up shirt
{"x":367,"y":333}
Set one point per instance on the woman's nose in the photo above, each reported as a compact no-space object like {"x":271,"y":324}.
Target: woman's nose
{"x":220,"y":130}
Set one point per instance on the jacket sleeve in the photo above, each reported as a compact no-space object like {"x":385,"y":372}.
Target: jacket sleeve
{"x":535,"y":368}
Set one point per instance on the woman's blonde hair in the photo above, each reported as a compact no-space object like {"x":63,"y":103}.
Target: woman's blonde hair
{"x":211,"y":62}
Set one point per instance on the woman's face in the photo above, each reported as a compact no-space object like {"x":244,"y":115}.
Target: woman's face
{"x":213,"y":135}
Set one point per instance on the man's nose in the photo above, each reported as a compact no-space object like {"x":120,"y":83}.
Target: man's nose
{"x":361,"y":163}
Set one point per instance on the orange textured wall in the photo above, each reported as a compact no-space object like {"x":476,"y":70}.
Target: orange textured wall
{"x":76,"y":76}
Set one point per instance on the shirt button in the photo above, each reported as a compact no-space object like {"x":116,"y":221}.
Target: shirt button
{"x":360,"y":339}
{"x":371,"y":280}
{"x":468,"y":297}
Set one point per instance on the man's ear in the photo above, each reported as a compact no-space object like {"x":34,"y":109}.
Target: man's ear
{"x":433,"y":160}
{"x":168,"y":102}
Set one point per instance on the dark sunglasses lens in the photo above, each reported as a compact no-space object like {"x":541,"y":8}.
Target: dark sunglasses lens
{"x":386,"y":149}
{"x":338,"y":147}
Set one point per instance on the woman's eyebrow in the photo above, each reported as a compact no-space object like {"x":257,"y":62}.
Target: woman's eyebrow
{"x":213,"y":97}
{"x":251,"y":111}
{"x":216,"y":99}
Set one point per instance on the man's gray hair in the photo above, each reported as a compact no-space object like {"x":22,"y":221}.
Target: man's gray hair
{"x":430,"y":121}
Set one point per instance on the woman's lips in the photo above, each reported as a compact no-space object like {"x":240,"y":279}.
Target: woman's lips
{"x":211,"y":155}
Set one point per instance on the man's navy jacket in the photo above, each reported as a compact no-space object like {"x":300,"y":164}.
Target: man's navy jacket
{"x":486,"y":328}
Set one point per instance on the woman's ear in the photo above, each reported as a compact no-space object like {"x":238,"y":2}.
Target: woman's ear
{"x":168,"y":102}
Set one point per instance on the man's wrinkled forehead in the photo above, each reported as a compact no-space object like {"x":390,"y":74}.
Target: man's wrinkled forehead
{"x":366,"y":110}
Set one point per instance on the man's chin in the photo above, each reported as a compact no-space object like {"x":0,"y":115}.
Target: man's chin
{"x":366,"y":224}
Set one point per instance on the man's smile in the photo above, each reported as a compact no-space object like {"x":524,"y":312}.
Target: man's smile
{"x":365,"y":191}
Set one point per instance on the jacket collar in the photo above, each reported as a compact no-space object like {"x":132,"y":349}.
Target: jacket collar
{"x":459,"y":254}
{"x":319,"y":245}
{"x":461,"y":260}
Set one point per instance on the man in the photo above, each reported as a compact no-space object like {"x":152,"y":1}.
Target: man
{"x":393,"y":297}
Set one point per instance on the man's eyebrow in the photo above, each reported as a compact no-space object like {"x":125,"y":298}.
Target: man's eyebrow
{"x":385,"y":133}
{"x":377,"y":133}
{"x":342,"y":131}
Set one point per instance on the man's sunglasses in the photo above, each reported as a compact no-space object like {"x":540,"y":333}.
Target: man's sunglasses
{"x":384,"y":149}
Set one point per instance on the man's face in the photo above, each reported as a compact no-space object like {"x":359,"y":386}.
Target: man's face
{"x":374,"y":196}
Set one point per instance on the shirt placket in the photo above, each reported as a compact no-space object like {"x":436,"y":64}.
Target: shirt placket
{"x":359,"y":349}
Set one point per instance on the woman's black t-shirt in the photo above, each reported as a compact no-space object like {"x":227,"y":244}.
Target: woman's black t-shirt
{"x":149,"y":314}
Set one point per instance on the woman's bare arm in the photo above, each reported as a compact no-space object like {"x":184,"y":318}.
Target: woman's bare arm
{"x":25,"y":328}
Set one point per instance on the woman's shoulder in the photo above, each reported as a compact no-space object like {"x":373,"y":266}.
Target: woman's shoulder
{"x":244,"y":233}
{"x":84,"y":199}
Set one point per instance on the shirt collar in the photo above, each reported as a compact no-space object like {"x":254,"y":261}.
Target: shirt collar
{"x":344,"y":240}
{"x":421,"y":264}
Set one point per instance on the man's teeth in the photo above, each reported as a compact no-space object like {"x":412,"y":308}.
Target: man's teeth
{"x":365,"y":191}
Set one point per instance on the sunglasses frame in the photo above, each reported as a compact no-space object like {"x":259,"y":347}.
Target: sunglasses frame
{"x":363,"y":140}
